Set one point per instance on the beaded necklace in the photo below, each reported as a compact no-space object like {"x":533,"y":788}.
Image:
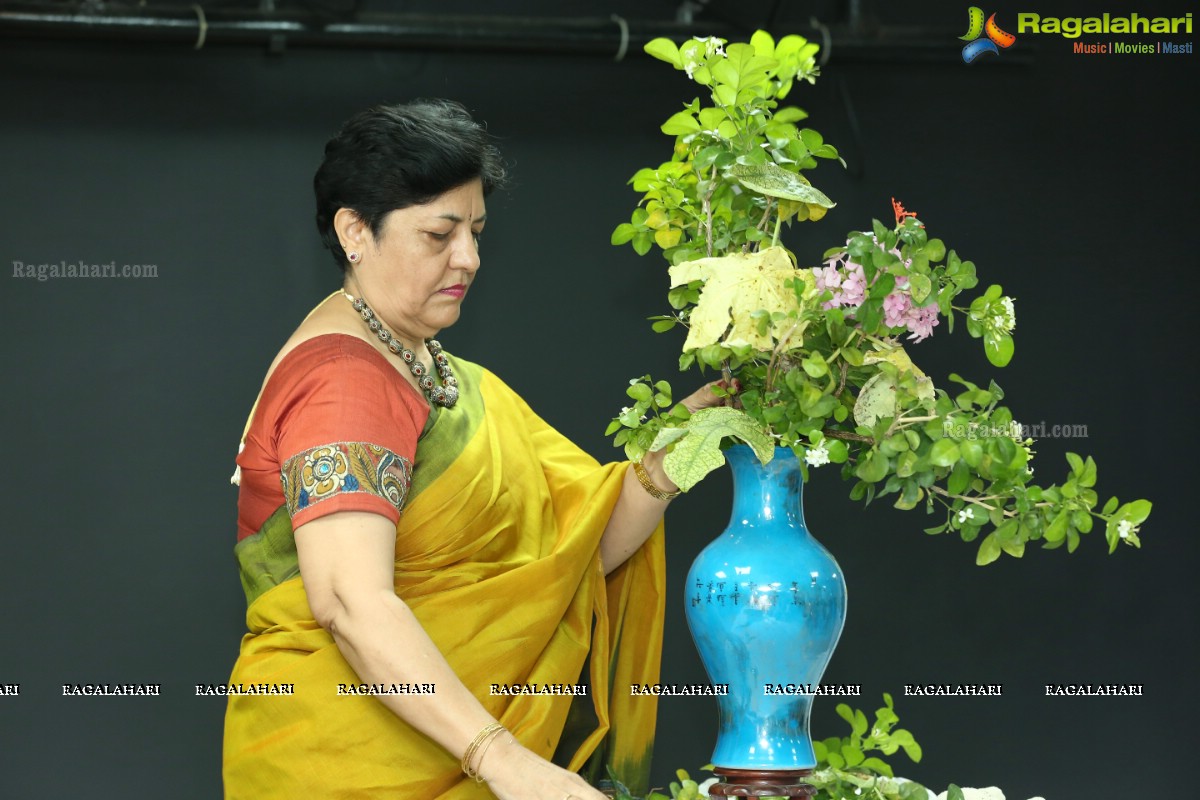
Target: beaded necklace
{"x":445,"y":395}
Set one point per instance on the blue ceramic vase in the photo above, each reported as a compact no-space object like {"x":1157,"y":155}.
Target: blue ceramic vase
{"x":765,"y":604}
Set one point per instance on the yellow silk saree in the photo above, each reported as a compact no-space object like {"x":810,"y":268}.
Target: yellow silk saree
{"x":497,"y":555}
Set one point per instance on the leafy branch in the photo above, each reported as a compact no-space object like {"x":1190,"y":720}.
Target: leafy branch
{"x":816,"y":357}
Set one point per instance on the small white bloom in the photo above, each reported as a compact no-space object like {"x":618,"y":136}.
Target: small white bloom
{"x":624,"y":409}
{"x":633,"y":381}
{"x":690,"y":67}
{"x":966,"y":514}
{"x":1124,"y":528}
{"x":712,"y":45}
{"x":817,"y":456}
{"x":704,"y":786}
{"x":1006,"y":320}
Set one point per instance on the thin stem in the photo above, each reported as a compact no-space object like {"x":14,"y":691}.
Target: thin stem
{"x":708,"y":213}
{"x":847,"y":436}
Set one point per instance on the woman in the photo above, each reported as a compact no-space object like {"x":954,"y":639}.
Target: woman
{"x":411,"y":533}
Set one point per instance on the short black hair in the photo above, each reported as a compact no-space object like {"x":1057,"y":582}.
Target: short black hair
{"x":395,"y":156}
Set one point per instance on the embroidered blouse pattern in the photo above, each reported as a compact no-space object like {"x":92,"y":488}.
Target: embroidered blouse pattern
{"x":345,"y":467}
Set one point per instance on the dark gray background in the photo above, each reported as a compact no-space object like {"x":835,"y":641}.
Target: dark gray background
{"x":1070,"y":180}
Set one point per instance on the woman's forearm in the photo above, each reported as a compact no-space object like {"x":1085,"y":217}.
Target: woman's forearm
{"x":636,"y":514}
{"x":383,"y":642}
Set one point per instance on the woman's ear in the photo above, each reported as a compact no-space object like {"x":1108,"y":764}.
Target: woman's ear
{"x":351,"y":231}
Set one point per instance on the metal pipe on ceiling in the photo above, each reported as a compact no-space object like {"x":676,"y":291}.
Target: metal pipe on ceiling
{"x":281,"y":29}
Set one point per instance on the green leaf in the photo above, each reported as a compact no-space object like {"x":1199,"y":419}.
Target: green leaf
{"x":989,"y":550}
{"x":664,"y":50}
{"x":640,"y":391}
{"x":1136,"y":512}
{"x":876,"y":400}
{"x":790,"y":114}
{"x":971,"y":452}
{"x":920,"y":287}
{"x":623,"y":233}
{"x":774,"y":181}
{"x":960,"y":477}
{"x":642,"y":242}
{"x":874,"y":468}
{"x":699,"y":453}
{"x":1088,"y":478}
{"x":663,"y":325}
{"x":944,"y":453}
{"x":681,"y":124}
{"x":815,"y":365}
{"x":998,"y":348}
{"x":1058,"y":528}
{"x":668,"y":436}
{"x":1110,"y":506}
{"x":763,"y":43}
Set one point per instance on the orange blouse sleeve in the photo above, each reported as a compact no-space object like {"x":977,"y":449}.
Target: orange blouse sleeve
{"x":346,"y":433}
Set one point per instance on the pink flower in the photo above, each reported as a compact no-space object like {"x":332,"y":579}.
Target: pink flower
{"x":829,"y":278}
{"x":854,"y":285}
{"x":921,"y":321}
{"x":895,"y":309}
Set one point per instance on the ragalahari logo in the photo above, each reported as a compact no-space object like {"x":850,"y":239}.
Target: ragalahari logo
{"x":976,"y":45}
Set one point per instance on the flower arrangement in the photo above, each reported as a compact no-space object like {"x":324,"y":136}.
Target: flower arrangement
{"x":847,"y":767}
{"x":815,"y":358}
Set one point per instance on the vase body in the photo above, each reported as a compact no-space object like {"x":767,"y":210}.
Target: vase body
{"x":765,"y":604}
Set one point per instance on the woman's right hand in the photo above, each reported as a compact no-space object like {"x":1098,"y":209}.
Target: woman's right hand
{"x":514,"y":772}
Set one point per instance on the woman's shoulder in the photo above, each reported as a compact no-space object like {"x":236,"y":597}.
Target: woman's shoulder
{"x":311,"y":351}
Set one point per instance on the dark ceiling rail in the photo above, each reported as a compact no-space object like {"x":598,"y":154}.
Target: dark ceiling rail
{"x":278,"y":30}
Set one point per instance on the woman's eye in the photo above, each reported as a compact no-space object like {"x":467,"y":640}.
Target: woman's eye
{"x":441,"y":237}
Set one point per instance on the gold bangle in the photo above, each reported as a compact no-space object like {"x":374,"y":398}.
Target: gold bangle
{"x":483,"y":748}
{"x":484,"y":735}
{"x":648,"y":485}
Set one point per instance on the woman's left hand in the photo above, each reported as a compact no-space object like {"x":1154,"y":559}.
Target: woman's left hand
{"x":702,"y":398}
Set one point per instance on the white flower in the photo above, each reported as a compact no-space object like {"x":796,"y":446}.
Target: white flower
{"x":816,"y":456}
{"x":966,"y":514}
{"x":712,"y":45}
{"x":634,"y":381}
{"x":1124,"y":528}
{"x":690,"y":67}
{"x":1007,"y":319}
{"x":704,"y":786}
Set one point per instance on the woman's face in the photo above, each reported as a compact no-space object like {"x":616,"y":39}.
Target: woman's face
{"x":417,"y":272}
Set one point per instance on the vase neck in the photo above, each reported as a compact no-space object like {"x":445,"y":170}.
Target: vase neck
{"x":773,"y":492}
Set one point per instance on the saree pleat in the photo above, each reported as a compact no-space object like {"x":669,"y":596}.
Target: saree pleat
{"x":497,"y":555}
